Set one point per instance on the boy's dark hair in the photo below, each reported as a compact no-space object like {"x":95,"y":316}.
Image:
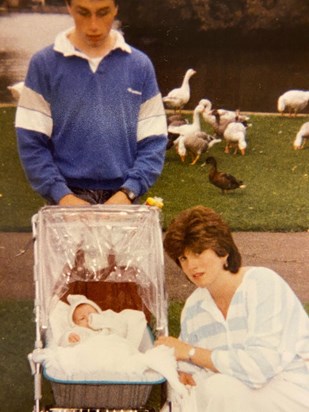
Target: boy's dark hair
{"x":68,"y":2}
{"x":200,"y":228}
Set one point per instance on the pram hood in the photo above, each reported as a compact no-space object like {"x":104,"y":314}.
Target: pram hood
{"x":101,"y":243}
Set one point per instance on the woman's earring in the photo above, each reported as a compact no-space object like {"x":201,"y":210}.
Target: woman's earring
{"x":225,"y":266}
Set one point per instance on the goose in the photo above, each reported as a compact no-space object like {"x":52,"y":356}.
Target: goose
{"x":235,"y":134}
{"x":293,"y":101}
{"x":219,"y":119}
{"x":195,"y":126}
{"x":16,"y":89}
{"x":174,"y":120}
{"x":176,"y":117}
{"x":301,"y":137}
{"x":196,"y":143}
{"x":177,"y":98}
{"x":224,"y":181}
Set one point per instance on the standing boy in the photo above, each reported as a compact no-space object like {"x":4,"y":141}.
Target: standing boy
{"x":90,"y":122}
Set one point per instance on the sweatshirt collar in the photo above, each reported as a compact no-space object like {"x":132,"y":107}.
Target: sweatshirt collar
{"x":64,"y":46}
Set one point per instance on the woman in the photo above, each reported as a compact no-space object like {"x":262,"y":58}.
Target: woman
{"x":244,"y":341}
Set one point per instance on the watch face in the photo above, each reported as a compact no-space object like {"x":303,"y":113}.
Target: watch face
{"x":191,"y":353}
{"x":131,"y":195}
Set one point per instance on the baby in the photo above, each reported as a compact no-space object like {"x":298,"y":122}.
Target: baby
{"x":86,"y":319}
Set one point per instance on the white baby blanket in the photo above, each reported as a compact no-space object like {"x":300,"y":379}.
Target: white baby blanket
{"x":108,"y":357}
{"x":135,"y":320}
{"x":104,"y":356}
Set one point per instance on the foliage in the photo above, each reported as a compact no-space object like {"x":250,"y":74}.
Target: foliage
{"x":213,"y":15}
{"x":276,"y":176}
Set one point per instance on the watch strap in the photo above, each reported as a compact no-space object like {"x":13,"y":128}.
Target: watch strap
{"x":130,"y":195}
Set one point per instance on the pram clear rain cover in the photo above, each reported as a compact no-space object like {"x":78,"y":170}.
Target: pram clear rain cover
{"x":102,"y":243}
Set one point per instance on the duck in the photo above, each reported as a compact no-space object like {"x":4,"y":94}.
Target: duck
{"x":177,"y":98}
{"x":195,"y":126}
{"x":301,"y":137}
{"x":224,"y":181}
{"x":235,"y":135}
{"x":16,"y":89}
{"x":195,"y":143}
{"x":219,"y":119}
{"x":293,"y":101}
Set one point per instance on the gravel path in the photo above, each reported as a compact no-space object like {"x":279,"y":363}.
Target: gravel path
{"x":286,"y":253}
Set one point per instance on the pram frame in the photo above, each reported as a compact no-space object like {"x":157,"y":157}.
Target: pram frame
{"x":40,"y":320}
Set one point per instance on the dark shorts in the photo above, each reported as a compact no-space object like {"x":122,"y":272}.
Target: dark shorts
{"x":94,"y":197}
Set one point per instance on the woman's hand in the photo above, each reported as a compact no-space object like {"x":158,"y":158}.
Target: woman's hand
{"x":202,"y":357}
{"x":181,"y":348}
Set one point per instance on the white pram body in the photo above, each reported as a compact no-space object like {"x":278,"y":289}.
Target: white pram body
{"x":113,"y":255}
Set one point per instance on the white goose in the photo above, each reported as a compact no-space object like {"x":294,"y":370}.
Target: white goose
{"x":235,"y":134}
{"x":293,"y":101}
{"x":177,"y":98}
{"x":219,"y":119}
{"x":16,"y":89}
{"x":174,"y":120}
{"x":195,"y":126}
{"x":301,"y":137}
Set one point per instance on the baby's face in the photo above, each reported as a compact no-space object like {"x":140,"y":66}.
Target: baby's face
{"x":81,"y":314}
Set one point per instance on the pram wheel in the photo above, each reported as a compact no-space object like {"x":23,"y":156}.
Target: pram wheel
{"x":97,"y":410}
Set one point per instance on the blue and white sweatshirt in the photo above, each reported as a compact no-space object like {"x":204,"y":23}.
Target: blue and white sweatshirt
{"x":91,"y":126}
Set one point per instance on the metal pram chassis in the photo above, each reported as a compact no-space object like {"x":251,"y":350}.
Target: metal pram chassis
{"x":128,"y":239}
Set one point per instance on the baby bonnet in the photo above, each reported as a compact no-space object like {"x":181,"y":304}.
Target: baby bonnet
{"x":76,"y":300}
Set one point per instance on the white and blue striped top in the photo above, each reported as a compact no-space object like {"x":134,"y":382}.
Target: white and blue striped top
{"x":265,"y":333}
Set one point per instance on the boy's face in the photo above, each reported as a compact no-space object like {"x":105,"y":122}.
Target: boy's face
{"x":93,"y":21}
{"x":81,"y":315}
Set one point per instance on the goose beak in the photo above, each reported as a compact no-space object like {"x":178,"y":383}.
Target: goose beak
{"x":243,"y":151}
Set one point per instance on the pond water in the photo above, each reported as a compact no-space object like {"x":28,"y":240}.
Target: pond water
{"x":237,"y":76}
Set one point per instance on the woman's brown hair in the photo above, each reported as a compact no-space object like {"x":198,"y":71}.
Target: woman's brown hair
{"x":200,"y":228}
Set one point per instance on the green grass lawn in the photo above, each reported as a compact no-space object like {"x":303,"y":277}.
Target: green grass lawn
{"x":276,"y":176}
{"x":277,"y":179}
{"x":18,"y":202}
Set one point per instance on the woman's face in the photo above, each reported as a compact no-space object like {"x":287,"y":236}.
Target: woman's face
{"x":203,"y":269}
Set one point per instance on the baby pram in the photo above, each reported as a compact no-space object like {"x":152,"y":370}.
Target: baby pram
{"x":114,"y":256}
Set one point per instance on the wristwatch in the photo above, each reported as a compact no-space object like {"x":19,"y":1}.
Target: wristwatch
{"x":191,"y":353}
{"x":130,"y":195}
